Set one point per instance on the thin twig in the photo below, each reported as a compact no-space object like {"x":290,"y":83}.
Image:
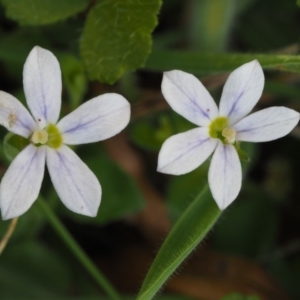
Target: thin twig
{"x":9,"y":232}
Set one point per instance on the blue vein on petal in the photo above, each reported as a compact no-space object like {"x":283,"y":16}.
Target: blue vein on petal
{"x":81,"y":126}
{"x":224,"y":169}
{"x":28,"y":167}
{"x":263,"y":126}
{"x":44,"y":108}
{"x":204,"y":113}
{"x":193,"y":101}
{"x":239,"y":96}
{"x":24,"y":125}
{"x":62,"y":160}
{"x":226,"y":164}
{"x":235,"y":103}
{"x":185,"y":152}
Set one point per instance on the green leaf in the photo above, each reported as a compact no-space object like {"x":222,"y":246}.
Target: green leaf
{"x":190,"y":229}
{"x":40,"y":12}
{"x":13,"y":144}
{"x":204,"y":63}
{"x":117,"y":37}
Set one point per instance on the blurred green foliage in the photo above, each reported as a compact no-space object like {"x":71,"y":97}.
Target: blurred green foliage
{"x":28,"y":269}
{"x":74,"y":78}
{"x":150,"y":133}
{"x":211,"y":22}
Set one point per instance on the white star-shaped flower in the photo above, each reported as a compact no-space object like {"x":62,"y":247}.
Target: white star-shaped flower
{"x":95,"y":120}
{"x":221,"y":129}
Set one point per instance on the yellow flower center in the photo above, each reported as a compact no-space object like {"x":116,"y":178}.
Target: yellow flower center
{"x":49,"y":136}
{"x":219,"y":129}
{"x":55,"y":139}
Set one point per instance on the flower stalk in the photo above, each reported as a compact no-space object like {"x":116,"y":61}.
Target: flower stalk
{"x":85,"y":261}
{"x":8,"y":234}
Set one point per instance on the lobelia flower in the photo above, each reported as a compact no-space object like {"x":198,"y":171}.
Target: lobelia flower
{"x":221,"y":129}
{"x":98,"y":119}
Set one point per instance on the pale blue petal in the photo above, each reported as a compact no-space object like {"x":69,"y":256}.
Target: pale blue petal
{"x":242,"y":91}
{"x":42,"y":86}
{"x":184,"y":152}
{"x":225,"y":175}
{"x":95,"y":120}
{"x":76,"y":185}
{"x":15,"y":117}
{"x":188,"y":97}
{"x":266,"y":125}
{"x":21,"y":184}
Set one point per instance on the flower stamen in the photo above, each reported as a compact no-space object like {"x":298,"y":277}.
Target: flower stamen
{"x":39,"y":137}
{"x":229,"y":134}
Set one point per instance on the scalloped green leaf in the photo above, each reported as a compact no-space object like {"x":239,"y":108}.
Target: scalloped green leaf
{"x":187,"y":233}
{"x":117,"y":37}
{"x":41,"y":12}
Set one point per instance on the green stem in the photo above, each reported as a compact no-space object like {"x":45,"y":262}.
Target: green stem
{"x":78,"y":252}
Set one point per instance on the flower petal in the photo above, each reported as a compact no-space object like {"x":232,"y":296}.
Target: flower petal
{"x":242,"y":91}
{"x":14,"y":116}
{"x":21,"y":184}
{"x":184,"y":152}
{"x":225,"y":175}
{"x":188,"y":97}
{"x":42,"y":85}
{"x":95,"y":120}
{"x":266,"y":125}
{"x":76,"y":185}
